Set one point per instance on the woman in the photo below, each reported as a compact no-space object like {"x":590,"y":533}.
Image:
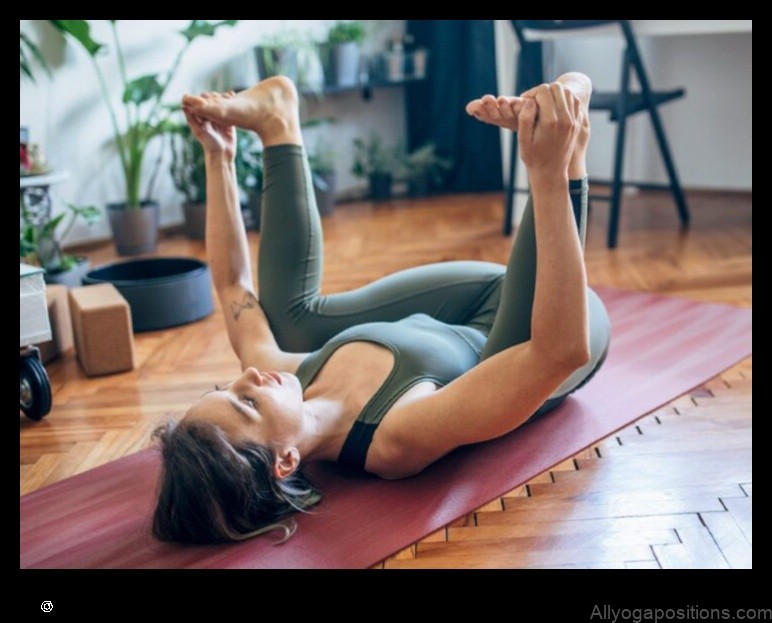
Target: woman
{"x":390,"y":377}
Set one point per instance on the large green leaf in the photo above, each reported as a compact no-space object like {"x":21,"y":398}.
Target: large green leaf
{"x":28,"y":51}
{"x":90,"y":214}
{"x":140,"y":133}
{"x":142,"y":89}
{"x":202,"y":28}
{"x":27,"y":241}
{"x":24,"y":65}
{"x":79,"y":30}
{"x":47,"y":231}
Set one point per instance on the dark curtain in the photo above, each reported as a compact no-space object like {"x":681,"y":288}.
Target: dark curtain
{"x":462,"y":67}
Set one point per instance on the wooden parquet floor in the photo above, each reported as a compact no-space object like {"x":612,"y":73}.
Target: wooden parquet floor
{"x":672,"y":491}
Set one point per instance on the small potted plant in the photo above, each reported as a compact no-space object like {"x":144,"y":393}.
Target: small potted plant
{"x":377,"y":163}
{"x":290,"y":53}
{"x":189,"y":175}
{"x":322,"y":162}
{"x":134,"y":219}
{"x":249,"y":175}
{"x":424,"y":171}
{"x":342,"y":52}
{"x":41,"y":245}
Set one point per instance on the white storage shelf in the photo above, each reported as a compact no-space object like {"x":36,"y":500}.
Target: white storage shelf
{"x":34,"y":326}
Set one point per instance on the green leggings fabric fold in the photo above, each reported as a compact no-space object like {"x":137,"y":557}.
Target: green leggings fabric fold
{"x":489,"y":297}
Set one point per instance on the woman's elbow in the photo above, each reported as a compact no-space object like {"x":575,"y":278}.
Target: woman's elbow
{"x":569,"y":356}
{"x":578,"y":356}
{"x":578,"y":352}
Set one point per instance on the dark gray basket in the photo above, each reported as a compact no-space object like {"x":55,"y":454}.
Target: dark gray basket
{"x":162,"y":292}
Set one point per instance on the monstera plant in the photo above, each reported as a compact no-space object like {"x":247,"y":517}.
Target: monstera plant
{"x":134,"y":221}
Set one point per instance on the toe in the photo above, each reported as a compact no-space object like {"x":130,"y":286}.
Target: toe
{"x":474,"y":107}
{"x":505,"y":108}
{"x":193,"y":101}
{"x":491,"y":107}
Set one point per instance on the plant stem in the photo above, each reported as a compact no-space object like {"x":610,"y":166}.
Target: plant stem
{"x":121,"y":68}
{"x":113,"y":119}
{"x":169,"y":77}
{"x":136,"y":153}
{"x":154,"y":175}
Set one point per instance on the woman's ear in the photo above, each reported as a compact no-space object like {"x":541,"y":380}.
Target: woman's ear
{"x":287,"y":461}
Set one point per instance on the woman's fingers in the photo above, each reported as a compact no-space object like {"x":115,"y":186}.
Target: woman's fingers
{"x":193,"y":121}
{"x":563,"y":110}
{"x":527,"y":122}
{"x":545,"y":102}
{"x":533,"y":90}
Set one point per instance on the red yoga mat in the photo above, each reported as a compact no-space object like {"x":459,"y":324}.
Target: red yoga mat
{"x":661,"y":348}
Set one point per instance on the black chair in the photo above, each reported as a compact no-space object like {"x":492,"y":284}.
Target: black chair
{"x":620,"y":105}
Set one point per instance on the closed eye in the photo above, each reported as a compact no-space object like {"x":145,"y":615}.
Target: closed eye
{"x":252,"y":403}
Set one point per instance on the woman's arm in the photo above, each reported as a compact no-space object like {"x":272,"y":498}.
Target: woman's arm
{"x":228,"y":250}
{"x":504,"y":390}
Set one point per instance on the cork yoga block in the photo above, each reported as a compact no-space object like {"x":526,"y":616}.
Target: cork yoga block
{"x":101,"y":323}
{"x":61,"y":324}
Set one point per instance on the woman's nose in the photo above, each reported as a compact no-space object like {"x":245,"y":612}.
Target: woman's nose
{"x":251,"y":375}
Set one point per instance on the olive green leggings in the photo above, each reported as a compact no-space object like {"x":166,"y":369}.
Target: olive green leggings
{"x":488,"y":297}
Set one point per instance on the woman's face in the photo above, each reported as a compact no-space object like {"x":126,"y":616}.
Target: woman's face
{"x":264,"y":407}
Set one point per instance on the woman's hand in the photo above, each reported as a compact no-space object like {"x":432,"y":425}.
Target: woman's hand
{"x":549,"y":124}
{"x":215,"y":138}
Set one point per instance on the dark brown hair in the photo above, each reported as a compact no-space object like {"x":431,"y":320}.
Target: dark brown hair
{"x":214,"y":490}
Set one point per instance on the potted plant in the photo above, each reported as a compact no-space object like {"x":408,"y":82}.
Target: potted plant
{"x":341,"y":53}
{"x":376,"y":163}
{"x":293,"y":54}
{"x":40,"y":244}
{"x":134,"y":220}
{"x":424,"y":170}
{"x":189,"y":175}
{"x":249,"y":174}
{"x":322,"y":162}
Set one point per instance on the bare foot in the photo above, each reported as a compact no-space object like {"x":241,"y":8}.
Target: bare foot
{"x":503,"y":110}
{"x":269,"y":108}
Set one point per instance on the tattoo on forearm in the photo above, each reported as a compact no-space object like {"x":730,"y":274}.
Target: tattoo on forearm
{"x":248,"y":302}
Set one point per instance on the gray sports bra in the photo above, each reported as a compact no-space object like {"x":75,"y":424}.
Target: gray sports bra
{"x":424,"y":349}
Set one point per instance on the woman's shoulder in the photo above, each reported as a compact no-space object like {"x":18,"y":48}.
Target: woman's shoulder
{"x":393,"y":452}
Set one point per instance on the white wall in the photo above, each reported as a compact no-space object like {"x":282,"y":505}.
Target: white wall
{"x":710,"y":130}
{"x":68,"y":118}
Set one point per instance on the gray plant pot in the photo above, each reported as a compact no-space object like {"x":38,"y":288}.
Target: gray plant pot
{"x":195,"y":220}
{"x":325,"y":188}
{"x":72,"y":278}
{"x":162,"y":292}
{"x":134,"y":231}
{"x":419,"y":186}
{"x":342,"y":64}
{"x":380,"y":186}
